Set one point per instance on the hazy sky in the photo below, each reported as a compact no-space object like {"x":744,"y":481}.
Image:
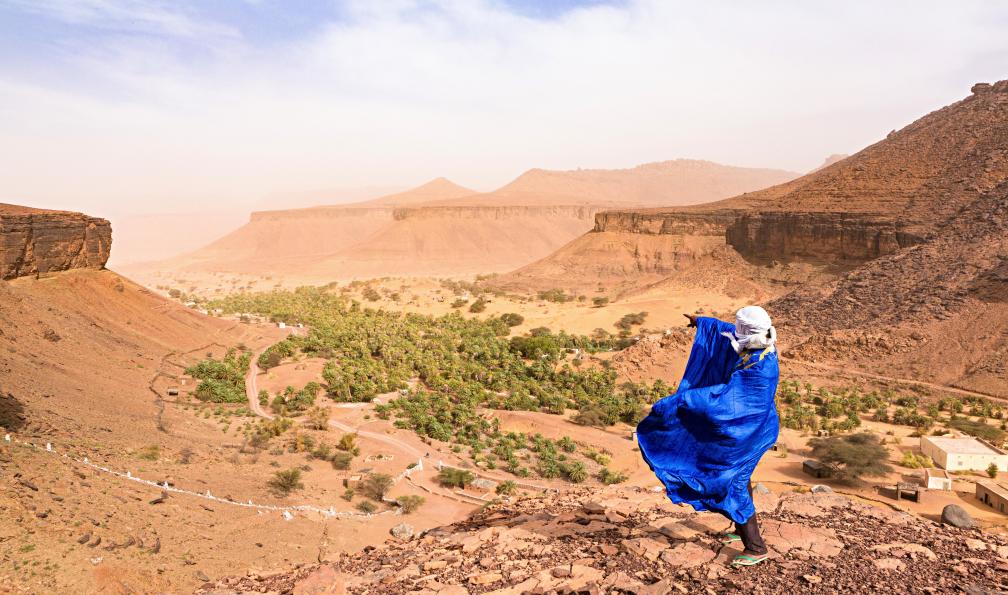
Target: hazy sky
{"x":132,"y":106}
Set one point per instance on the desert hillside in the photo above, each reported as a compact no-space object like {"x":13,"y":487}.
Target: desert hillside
{"x":442,"y":229}
{"x":903,"y":240}
{"x":634,"y":541}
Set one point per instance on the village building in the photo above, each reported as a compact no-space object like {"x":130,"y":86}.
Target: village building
{"x":963,"y":454}
{"x":937,"y":479}
{"x":816,"y":469}
{"x":483,"y":485}
{"x":993,"y":494}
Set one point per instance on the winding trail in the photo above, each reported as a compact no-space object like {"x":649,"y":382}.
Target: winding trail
{"x":252,"y":393}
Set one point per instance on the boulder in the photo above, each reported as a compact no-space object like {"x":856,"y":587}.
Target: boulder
{"x":402,"y":531}
{"x":821,"y":489}
{"x":956,"y":515}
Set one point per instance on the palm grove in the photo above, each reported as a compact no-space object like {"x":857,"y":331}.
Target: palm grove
{"x":445,"y":370}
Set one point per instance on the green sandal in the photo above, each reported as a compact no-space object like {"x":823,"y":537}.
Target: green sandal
{"x":730,"y":538}
{"x":744,"y":560}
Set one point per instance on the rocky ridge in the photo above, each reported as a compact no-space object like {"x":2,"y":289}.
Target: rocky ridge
{"x":36,"y":241}
{"x":630,"y":540}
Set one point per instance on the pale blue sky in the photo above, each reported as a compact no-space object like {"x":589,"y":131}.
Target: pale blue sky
{"x":123,"y":106}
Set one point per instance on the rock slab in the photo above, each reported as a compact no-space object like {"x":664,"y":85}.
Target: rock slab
{"x":35,"y":241}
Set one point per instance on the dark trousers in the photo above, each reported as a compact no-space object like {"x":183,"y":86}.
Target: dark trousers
{"x":750,"y":534}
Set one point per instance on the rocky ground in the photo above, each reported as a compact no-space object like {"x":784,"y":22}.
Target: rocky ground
{"x":623,"y":540}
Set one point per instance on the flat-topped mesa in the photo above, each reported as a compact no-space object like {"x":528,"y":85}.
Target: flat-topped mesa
{"x":584,"y":212}
{"x":327,"y":212}
{"x":666,"y":221}
{"x":35,"y":241}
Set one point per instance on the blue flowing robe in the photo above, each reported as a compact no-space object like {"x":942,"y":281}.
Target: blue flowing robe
{"x":704,"y":441}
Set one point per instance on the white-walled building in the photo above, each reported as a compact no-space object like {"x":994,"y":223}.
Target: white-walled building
{"x":937,"y":479}
{"x":963,"y":454}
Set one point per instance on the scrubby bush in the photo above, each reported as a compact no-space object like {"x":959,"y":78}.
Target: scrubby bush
{"x":611,"y":477}
{"x":410,"y":503}
{"x":285,"y":482}
{"x":852,"y":456}
{"x":367,"y":506}
{"x":458,"y":478}
{"x":992,"y":470}
{"x":628,"y":321}
{"x":341,"y":460}
{"x":478,"y":306}
{"x":317,"y":418}
{"x":916,"y":461}
{"x":506,"y":488}
{"x":512,"y":319}
{"x":376,"y":485}
{"x":555,"y":295}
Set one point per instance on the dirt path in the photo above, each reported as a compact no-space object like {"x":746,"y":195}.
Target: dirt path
{"x":857,"y":372}
{"x":252,"y":393}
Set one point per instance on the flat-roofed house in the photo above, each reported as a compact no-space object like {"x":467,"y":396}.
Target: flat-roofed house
{"x":993,"y":494}
{"x":937,"y":479}
{"x":963,"y":454}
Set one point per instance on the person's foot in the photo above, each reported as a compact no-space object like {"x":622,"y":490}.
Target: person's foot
{"x":749,"y":558}
{"x":730,"y":538}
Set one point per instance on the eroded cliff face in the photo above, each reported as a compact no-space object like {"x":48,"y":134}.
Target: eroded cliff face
{"x":665,"y":222}
{"x":34,"y":241}
{"x":825,"y":237}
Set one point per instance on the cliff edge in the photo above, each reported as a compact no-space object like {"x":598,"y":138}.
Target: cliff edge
{"x":34,"y":241}
{"x":627,"y":540}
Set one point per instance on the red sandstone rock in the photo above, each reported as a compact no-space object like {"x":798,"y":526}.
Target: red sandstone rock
{"x":34,"y":241}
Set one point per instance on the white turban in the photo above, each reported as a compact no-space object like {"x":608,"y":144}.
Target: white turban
{"x":753,"y":330}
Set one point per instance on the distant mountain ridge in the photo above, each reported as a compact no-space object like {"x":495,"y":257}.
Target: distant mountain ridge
{"x":443,"y":229}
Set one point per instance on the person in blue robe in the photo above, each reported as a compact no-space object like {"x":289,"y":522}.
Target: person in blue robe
{"x":704,"y":441}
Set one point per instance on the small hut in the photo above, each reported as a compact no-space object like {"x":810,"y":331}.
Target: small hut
{"x":816,"y":469}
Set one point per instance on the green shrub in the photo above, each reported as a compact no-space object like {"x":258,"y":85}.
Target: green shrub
{"x":506,"y":488}
{"x":458,"y":478}
{"x":376,"y":485}
{"x":341,"y":460}
{"x":410,"y":503}
{"x":610,"y":477}
{"x":285,"y":482}
{"x":852,"y":456}
{"x":512,"y":319}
